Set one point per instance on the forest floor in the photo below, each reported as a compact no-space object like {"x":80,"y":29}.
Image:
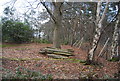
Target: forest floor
{"x":27,"y":56}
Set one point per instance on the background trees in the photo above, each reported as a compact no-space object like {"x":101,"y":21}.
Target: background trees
{"x":81,"y":24}
{"x":13,"y":30}
{"x":16,"y":32}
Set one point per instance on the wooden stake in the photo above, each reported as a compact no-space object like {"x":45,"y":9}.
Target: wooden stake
{"x":104,"y":47}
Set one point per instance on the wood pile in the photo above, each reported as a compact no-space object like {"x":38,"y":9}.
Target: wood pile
{"x":56,"y":53}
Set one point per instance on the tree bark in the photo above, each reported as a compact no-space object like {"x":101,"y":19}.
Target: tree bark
{"x":115,"y":40}
{"x":57,"y":24}
{"x":99,"y":23}
{"x":56,"y":37}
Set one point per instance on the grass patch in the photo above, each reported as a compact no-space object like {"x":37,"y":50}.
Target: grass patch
{"x":76,"y":60}
{"x":8,"y":45}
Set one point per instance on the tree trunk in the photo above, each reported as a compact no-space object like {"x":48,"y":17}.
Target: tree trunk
{"x":99,"y":23}
{"x":56,"y":37}
{"x":57,"y":18}
{"x":57,"y":24}
{"x":114,"y":46}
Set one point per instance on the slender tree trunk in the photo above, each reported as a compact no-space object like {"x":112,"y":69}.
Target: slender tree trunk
{"x":114,"y":46}
{"x":100,"y":54}
{"x":81,"y":41}
{"x":99,"y":23}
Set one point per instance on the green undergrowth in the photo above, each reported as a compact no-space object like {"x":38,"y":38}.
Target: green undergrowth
{"x":35,"y":40}
{"x":13,"y":45}
{"x":114,"y":59}
{"x":24,"y":73}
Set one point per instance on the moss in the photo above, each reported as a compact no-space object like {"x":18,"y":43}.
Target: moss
{"x":16,"y":59}
{"x":37,"y":59}
{"x":76,"y":60}
{"x":25,"y":59}
{"x":21,"y":49}
{"x":10,"y":58}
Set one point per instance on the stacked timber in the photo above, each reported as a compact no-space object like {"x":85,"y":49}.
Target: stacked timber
{"x":56,"y":53}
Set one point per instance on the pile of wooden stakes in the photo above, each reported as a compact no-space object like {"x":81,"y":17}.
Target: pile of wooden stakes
{"x":56,"y":53}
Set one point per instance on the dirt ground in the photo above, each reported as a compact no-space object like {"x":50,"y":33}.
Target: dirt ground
{"x":58,"y":68}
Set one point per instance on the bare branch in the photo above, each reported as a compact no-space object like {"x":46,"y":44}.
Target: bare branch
{"x":73,"y":7}
{"x":60,"y":8}
{"x":103,"y":16}
{"x":13,"y":4}
{"x":33,"y":3}
{"x":54,"y":19}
